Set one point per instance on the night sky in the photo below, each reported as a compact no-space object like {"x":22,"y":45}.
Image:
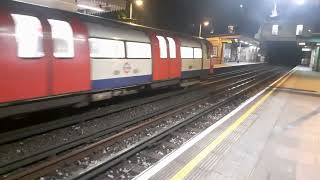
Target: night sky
{"x":185,"y":15}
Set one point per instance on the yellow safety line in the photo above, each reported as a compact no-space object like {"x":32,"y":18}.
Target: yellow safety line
{"x":205,"y":152}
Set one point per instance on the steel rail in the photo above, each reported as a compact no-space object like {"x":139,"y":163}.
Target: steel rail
{"x":16,"y":135}
{"x":31,"y":158}
{"x":26,"y":173}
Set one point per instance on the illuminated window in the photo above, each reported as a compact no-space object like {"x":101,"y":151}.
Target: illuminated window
{"x":138,"y":50}
{"x":163,"y":47}
{"x":29,"y":36}
{"x":275,"y":30}
{"x":197,"y":53}
{"x":172,"y":47}
{"x":186,"y":52}
{"x":299,"y":29}
{"x":104,"y":48}
{"x":62,"y":36}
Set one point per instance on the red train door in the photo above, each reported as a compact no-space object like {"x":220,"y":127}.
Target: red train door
{"x":160,"y":60}
{"x":70,"y":57}
{"x":175,"y":58}
{"x":23,"y":63}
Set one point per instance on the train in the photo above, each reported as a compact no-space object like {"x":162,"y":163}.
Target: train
{"x":51,"y":58}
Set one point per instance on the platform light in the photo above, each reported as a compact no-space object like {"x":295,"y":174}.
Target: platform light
{"x":275,"y":29}
{"x":241,"y":6}
{"x":299,"y":29}
{"x":318,"y":44}
{"x":302,"y":44}
{"x":90,"y":7}
{"x":246,"y":42}
{"x":306,"y":49}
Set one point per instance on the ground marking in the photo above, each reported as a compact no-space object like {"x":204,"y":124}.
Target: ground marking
{"x":148,"y":173}
{"x":204,"y":153}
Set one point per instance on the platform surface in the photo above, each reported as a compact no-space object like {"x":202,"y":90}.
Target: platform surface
{"x":274,"y":137}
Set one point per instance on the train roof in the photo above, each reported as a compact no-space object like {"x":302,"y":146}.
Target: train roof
{"x":94,"y":19}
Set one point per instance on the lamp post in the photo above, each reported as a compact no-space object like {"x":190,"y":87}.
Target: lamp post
{"x":137,"y":3}
{"x":205,"y":24}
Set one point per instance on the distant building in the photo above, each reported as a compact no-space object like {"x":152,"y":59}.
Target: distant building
{"x":235,"y":48}
{"x":281,"y":31}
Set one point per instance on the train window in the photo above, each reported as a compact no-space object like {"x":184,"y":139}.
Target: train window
{"x":163,"y":47}
{"x":138,"y":50}
{"x":62,"y":36}
{"x":197,"y":53}
{"x":29,"y":36}
{"x":186,"y":52}
{"x":104,"y":48}
{"x":172,"y":47}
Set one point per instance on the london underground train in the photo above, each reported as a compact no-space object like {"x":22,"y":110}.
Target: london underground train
{"x":52,"y":58}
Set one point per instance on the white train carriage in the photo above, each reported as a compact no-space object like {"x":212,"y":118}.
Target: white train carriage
{"x":191,"y":55}
{"x":120,"y":57}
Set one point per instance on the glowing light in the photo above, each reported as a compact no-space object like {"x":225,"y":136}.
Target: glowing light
{"x":306,"y":49}
{"x":206,"y":23}
{"x":299,"y":29}
{"x":274,"y":12}
{"x":300,"y":2}
{"x":241,"y":5}
{"x":90,"y":8}
{"x":318,"y":44}
{"x":302,"y":44}
{"x":139,"y":2}
{"x":275,"y":29}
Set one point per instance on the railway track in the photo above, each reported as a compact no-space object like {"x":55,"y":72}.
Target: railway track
{"x":49,"y":166}
{"x":103,"y":111}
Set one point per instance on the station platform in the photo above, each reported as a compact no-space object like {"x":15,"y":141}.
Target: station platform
{"x":274,"y":135}
{"x":232,"y":64}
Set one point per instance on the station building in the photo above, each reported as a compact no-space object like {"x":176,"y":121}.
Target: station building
{"x":235,"y":49}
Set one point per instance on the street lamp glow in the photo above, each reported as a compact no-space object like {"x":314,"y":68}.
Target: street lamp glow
{"x":206,"y":23}
{"x":300,"y":2}
{"x":139,"y":2}
{"x":241,"y":5}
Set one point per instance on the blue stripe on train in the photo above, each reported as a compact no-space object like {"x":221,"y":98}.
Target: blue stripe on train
{"x":121,"y":82}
